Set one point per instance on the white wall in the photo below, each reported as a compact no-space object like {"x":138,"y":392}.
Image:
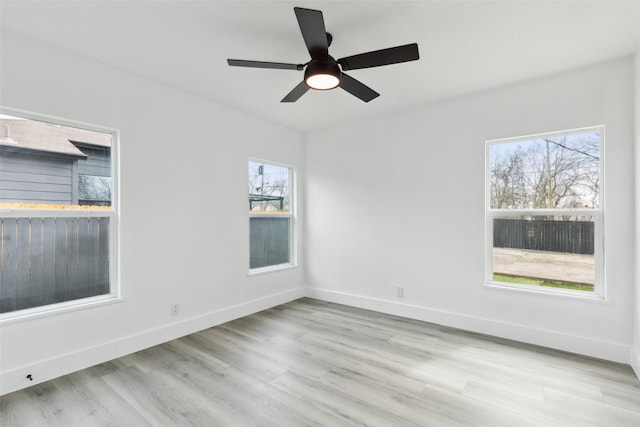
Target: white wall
{"x":400,"y":201}
{"x":184,"y":228}
{"x":635,"y":352}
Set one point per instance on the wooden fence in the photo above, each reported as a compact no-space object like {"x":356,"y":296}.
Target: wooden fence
{"x":269,"y":241}
{"x":576,"y":237}
{"x":51,"y":260}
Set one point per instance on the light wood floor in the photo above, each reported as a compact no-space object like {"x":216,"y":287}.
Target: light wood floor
{"x":315,"y":363}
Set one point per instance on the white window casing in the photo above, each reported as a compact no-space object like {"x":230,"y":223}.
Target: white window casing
{"x":40,"y":213}
{"x":595,"y":213}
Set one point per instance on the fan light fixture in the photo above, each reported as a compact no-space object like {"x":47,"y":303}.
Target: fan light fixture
{"x":324,"y":72}
{"x":322,"y":75}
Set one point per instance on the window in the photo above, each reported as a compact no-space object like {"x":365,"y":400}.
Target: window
{"x":57,"y":214}
{"x":270,"y":215}
{"x":544,"y":213}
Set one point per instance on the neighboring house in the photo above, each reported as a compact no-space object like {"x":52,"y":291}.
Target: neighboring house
{"x":42,"y":163}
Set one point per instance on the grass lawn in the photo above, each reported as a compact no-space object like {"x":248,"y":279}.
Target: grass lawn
{"x":542,"y":282}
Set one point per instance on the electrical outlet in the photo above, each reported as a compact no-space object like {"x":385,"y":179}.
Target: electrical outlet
{"x":400,"y":291}
{"x":174,"y":309}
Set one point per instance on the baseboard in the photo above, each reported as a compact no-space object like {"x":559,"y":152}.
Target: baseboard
{"x":635,"y":359}
{"x":45,"y":370}
{"x":576,"y":344}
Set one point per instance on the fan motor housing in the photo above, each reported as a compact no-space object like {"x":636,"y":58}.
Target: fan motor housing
{"x":325,"y":67}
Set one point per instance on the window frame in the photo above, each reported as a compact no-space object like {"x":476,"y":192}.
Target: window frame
{"x":115,"y":292}
{"x":293,"y":262}
{"x":599,"y":288}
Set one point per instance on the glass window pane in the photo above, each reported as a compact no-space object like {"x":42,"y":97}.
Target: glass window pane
{"x":269,"y":188}
{"x":269,"y":241}
{"x":52,"y":260}
{"x":553,"y":251}
{"x":554,"y":172}
{"x":50,"y":166}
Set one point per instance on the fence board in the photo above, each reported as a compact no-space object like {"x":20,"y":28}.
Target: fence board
{"x":9,"y":264}
{"x":83,"y":255}
{"x":544,"y":235}
{"x":49,"y":261}
{"x":22,"y":265}
{"x":37,"y":262}
{"x":92,"y":261}
{"x":103,"y":255}
{"x":60,"y":238}
{"x":74,"y":282}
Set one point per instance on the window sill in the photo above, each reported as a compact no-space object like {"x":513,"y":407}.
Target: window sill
{"x":54,"y":309}
{"x":270,"y":269}
{"x":552,"y":292}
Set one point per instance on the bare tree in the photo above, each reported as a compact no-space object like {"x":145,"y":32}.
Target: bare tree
{"x":558,"y":172}
{"x":507,"y":181}
{"x":271,"y":183}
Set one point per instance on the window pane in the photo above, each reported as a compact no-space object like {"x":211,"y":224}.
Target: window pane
{"x":49,"y":166}
{"x":554,"y":172}
{"x":269,"y":241}
{"x":269,"y":188}
{"x":51,"y":260}
{"x":555,"y":251}
{"x":94,"y":190}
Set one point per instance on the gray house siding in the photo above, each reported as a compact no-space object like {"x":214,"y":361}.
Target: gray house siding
{"x":34,"y":178}
{"x":98,"y":162}
{"x":27,"y":176}
{"x":94,"y":175}
{"x":40,"y":163}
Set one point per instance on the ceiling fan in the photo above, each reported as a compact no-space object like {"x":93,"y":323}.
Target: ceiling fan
{"x":323,"y":72}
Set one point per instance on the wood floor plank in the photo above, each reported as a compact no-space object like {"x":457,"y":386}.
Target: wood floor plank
{"x":16,"y":408}
{"x":316,"y":363}
{"x":300,"y":362}
{"x":628,"y":398}
{"x":587,"y":412}
{"x":93,"y":401}
{"x":421,"y":371}
{"x":41,"y":404}
{"x":350,"y":407}
{"x":490,"y":395}
{"x":336,"y":360}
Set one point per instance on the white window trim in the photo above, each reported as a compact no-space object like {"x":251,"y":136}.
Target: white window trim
{"x":293,"y":240}
{"x":115,"y":292}
{"x":599,"y":293}
{"x":270,"y":269}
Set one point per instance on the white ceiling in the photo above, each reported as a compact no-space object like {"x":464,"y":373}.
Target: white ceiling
{"x":464,"y":46}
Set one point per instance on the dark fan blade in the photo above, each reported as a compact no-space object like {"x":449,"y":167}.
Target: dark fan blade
{"x":312,"y":28}
{"x":261,"y":64}
{"x":296,"y":93}
{"x":355,"y":88}
{"x":376,"y":58}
